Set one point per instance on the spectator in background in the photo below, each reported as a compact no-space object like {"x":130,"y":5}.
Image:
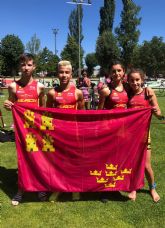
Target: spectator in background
{"x":84,"y":83}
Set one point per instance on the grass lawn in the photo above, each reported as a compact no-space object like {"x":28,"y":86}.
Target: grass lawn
{"x":89,"y":212}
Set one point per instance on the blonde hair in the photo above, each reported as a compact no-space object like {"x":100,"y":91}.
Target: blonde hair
{"x":65,"y":63}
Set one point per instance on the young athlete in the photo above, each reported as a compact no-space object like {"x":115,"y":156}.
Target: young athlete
{"x":84,"y":84}
{"x":114,"y":95}
{"x":25,"y":91}
{"x":138,"y":98}
{"x":65,"y":96}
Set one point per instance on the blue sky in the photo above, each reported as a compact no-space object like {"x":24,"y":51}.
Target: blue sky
{"x":25,"y":18}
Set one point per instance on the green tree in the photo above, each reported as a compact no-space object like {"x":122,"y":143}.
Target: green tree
{"x":73,"y":47}
{"x":11,"y":48}
{"x":33,"y":46}
{"x":47,"y":61}
{"x":127,"y":32}
{"x":107,"y":13}
{"x":70,"y":52}
{"x":107,"y":50}
{"x":74,"y":18}
{"x":1,"y":64}
{"x":91,"y":62}
{"x":151,"y":56}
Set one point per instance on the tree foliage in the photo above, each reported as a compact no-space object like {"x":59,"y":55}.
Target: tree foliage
{"x":91,"y":62}
{"x":47,"y":61}
{"x":151,"y":56}
{"x":106,"y":49}
{"x":127,"y":32}
{"x":11,"y":48}
{"x":33,"y":46}
{"x":75,"y":37}
{"x":70,"y":52}
{"x":1,"y":64}
{"x":107,"y":13}
{"x":74,"y":24}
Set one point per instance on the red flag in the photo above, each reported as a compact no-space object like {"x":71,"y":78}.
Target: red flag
{"x":80,"y":151}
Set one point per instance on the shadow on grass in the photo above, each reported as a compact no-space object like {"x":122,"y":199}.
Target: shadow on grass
{"x":144,"y":191}
{"x":94,"y":196}
{"x":8,"y":183}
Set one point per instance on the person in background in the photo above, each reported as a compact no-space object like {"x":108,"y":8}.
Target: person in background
{"x":104,"y":81}
{"x":26,"y":91}
{"x":84,"y":83}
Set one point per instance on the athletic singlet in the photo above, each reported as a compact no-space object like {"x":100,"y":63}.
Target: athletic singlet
{"x":139,"y":100}
{"x":65,"y":99}
{"x":116,"y":100}
{"x":27,"y":95}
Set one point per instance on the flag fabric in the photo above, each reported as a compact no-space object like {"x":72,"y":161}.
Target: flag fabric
{"x":80,"y":150}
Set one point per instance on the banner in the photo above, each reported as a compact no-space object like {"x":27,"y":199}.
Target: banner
{"x":80,"y":151}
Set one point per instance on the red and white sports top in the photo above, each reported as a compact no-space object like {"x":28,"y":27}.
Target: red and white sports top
{"x":65,"y":99}
{"x":138,"y":100}
{"x":28,"y":94}
{"x":116,"y":100}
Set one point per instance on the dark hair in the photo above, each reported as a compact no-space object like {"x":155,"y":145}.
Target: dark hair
{"x":136,"y":70}
{"x":26,"y":57}
{"x":116,"y":62}
{"x":83,"y":71}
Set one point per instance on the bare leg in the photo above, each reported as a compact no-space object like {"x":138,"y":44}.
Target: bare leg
{"x":75,"y":196}
{"x":54,"y":197}
{"x":132,"y":195}
{"x":150,"y":177}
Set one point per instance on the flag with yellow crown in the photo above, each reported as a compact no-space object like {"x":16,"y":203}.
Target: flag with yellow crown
{"x":80,"y":150}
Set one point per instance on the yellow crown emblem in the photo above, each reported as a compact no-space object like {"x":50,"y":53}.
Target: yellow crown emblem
{"x":110,"y":173}
{"x":110,"y":185}
{"x":126,"y":171}
{"x":111,"y":166}
{"x":95,"y":173}
{"x":118,"y":178}
{"x":101,"y":180}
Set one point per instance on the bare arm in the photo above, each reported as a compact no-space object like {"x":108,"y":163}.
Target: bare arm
{"x":12,"y":96}
{"x":102,"y":96}
{"x":149,"y":92}
{"x":50,"y":100}
{"x":41,"y":93}
{"x":80,"y":99}
{"x":154,"y":104}
{"x":101,"y":86}
{"x":88,"y":82}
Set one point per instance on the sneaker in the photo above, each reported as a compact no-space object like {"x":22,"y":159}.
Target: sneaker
{"x":17,"y":199}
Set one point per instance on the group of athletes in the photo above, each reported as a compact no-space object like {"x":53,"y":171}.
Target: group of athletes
{"x":118,"y":94}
